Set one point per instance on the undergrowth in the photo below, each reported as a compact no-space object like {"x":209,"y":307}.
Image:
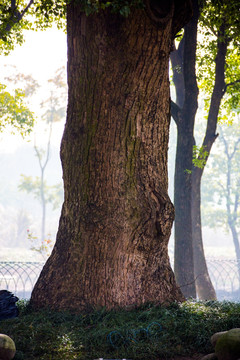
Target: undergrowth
{"x":148,"y":332}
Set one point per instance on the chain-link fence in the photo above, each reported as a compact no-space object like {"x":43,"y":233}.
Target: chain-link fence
{"x":20,"y":277}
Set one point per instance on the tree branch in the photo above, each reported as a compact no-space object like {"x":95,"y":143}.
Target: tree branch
{"x":217,"y":94}
{"x":236,"y":203}
{"x":26,"y":9}
{"x":207,"y":24}
{"x":230,"y":84}
{"x":175,"y":111}
{"x":13,"y":4}
{"x":235,"y":147}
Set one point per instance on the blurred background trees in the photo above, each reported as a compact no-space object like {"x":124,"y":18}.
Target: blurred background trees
{"x":221,"y":185}
{"x":54,"y":108}
{"x":19,"y":106}
{"x":24,"y":223}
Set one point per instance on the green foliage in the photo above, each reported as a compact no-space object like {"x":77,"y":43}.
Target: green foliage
{"x":216,"y":13}
{"x":14,"y":112}
{"x":186,"y":330}
{"x":41,"y":14}
{"x":218,"y":23}
{"x":199,"y":156}
{"x":199,"y":159}
{"x":11,"y":25}
{"x":122,"y":7}
{"x":27,"y":15}
{"x":231,"y":102}
{"x":48,"y":11}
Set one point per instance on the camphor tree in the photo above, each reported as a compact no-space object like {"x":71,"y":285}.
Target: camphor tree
{"x":111,"y":247}
{"x":212,"y":70}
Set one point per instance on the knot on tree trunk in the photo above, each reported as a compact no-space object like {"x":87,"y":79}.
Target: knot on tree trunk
{"x":160,"y":12}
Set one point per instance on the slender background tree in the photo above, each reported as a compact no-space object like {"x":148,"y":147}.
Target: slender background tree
{"x":213,"y":71}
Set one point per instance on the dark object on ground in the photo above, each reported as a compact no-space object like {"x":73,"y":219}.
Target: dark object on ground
{"x":8,"y":308}
{"x":7,"y":347}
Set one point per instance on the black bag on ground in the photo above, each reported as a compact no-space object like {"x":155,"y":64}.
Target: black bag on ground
{"x":8,"y":308}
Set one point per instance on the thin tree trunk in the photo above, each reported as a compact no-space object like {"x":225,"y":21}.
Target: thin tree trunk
{"x":235,"y":239}
{"x":184,"y":112}
{"x":43,"y":202}
{"x":111,"y":247}
{"x":42,"y":185}
{"x":205,"y":289}
{"x":236,"y":245}
{"x":183,"y":250}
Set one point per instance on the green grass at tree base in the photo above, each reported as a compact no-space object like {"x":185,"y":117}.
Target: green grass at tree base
{"x":136,"y":334}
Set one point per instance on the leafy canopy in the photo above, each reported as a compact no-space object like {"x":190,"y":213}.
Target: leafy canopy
{"x":122,"y":7}
{"x":16,"y":16}
{"x":219,"y":23}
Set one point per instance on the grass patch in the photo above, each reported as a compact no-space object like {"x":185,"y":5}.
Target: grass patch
{"x":148,"y":332}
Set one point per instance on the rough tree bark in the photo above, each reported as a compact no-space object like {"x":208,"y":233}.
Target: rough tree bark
{"x":111,"y":247}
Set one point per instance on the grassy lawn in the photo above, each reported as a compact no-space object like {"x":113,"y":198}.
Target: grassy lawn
{"x":146,"y":333}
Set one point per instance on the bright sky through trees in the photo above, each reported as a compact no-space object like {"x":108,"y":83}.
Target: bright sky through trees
{"x":40,"y":56}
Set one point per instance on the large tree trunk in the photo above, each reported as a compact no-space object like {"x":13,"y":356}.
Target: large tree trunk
{"x":111,"y":247}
